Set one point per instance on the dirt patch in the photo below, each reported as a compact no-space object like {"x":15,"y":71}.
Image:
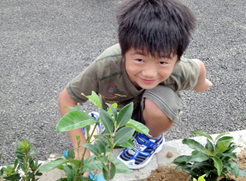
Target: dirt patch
{"x":167,"y":173}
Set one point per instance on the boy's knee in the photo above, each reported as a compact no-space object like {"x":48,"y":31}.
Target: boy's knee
{"x":155,"y":119}
{"x":153,"y":109}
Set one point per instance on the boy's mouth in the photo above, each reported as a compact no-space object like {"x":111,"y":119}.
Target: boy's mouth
{"x":146,"y":81}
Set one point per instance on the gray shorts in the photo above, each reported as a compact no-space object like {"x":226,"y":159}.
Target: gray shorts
{"x":165,"y":98}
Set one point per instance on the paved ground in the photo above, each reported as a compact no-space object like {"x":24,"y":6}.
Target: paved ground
{"x":45,"y":43}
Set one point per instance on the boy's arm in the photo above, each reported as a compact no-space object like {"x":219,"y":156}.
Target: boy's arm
{"x":66,"y":100}
{"x":203,"y":84}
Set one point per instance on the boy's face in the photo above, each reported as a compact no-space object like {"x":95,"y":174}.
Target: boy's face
{"x":146,"y":71}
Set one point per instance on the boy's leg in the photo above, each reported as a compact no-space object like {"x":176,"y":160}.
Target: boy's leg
{"x":159,"y":110}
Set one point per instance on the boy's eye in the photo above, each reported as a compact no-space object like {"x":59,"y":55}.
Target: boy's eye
{"x":139,"y":60}
{"x":162,"y":63}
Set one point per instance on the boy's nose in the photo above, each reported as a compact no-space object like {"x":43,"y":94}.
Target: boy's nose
{"x":149,"y":72}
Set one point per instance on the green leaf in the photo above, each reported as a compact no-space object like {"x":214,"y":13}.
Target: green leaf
{"x":198,"y":157}
{"x":242,"y":173}
{"x":232,"y":167}
{"x":231,"y":148}
{"x":231,"y":156}
{"x":81,"y":178}
{"x":112,"y":170}
{"x":70,"y":154}
{"x":218,"y":165}
{"x":69,"y":171}
{"x":124,"y":115}
{"x":220,"y":135}
{"x":92,"y":148}
{"x":94,"y":99}
{"x":139,"y":127}
{"x":223,"y":144}
{"x":105,"y":173}
{"x":181,"y":159}
{"x":201,"y":133}
{"x":72,"y":108}
{"x":120,"y":166}
{"x":56,"y":163}
{"x":113,"y":110}
{"x":100,"y":146}
{"x":123,"y":135}
{"x":74,"y":120}
{"x":107,"y":121}
{"x":33,"y":153}
{"x":91,"y":164}
{"x":194,"y":145}
{"x":209,"y":146}
{"x":129,"y":144}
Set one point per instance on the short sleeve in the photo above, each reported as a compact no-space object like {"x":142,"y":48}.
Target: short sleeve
{"x":184,"y":76}
{"x":85,"y":82}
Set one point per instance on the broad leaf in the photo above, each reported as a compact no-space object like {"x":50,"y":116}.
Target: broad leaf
{"x":107,"y":121}
{"x":100,"y":146}
{"x":70,"y":154}
{"x":72,"y":108}
{"x":91,"y":165}
{"x":81,"y":178}
{"x":56,"y":163}
{"x":232,"y":167}
{"x":198,"y":157}
{"x":209,"y":146}
{"x":218,"y":165}
{"x":181,"y":159}
{"x":74,"y":120}
{"x":139,"y":127}
{"x":242,"y":173}
{"x":223,"y":144}
{"x":69,"y":171}
{"x":92,"y":148}
{"x":194,"y":145}
{"x":231,"y":156}
{"x":113,"y":110}
{"x":94,"y":99}
{"x":120,"y":166}
{"x":220,"y":135}
{"x":123,"y":135}
{"x":112,"y":171}
{"x":124,"y":115}
{"x":129,"y":144}
{"x":202,"y":134}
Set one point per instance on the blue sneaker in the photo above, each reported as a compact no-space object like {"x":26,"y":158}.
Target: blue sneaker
{"x":100,"y":127}
{"x":142,"y":152}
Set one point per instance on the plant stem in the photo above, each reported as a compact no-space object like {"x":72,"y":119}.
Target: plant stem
{"x":83,"y":155}
{"x":26,"y":164}
{"x":110,"y":155}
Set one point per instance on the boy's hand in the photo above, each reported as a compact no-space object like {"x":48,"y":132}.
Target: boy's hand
{"x":201,"y":87}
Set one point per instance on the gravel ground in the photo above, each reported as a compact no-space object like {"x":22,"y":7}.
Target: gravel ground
{"x":45,"y":43}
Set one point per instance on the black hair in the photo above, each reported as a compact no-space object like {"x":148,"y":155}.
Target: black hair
{"x":161,"y":27}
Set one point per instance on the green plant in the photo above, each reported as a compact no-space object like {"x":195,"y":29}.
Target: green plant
{"x":201,"y":178}
{"x":119,"y":131}
{"x":215,"y":159}
{"x":24,"y":163}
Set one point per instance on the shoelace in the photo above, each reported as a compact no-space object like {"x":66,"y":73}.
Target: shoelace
{"x":137,"y":146}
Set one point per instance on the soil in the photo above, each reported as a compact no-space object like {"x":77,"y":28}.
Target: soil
{"x":167,"y":174}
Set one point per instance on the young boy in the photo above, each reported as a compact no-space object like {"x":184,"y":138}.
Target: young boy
{"x":145,"y":68}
